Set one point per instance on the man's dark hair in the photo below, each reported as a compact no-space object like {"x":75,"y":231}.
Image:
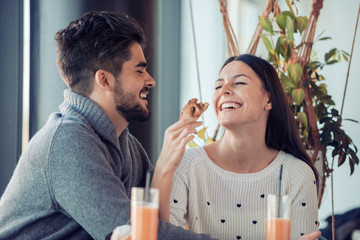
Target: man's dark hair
{"x":98,"y":40}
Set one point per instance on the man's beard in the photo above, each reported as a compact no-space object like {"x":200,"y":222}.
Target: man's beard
{"x":127,"y":106}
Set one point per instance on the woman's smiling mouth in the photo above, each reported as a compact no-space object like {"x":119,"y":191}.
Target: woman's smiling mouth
{"x":229,"y":105}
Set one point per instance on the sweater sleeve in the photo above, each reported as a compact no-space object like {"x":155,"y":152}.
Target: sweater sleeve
{"x":82,"y":183}
{"x":304,"y":205}
{"x":168,"y":231}
{"x":180,"y":194}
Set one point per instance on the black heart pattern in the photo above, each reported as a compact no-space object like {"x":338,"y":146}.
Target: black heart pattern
{"x":304,"y":204}
{"x":208,"y":203}
{"x":175,"y":201}
{"x":262,"y":195}
{"x":238,"y":237}
{"x":254,"y":222}
{"x":222,"y":220}
{"x":238,"y":205}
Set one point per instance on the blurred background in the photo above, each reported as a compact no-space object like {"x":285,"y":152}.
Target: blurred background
{"x":31,"y":87}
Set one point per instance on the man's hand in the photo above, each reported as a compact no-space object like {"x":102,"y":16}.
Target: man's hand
{"x":175,"y":140}
{"x":311,"y":236}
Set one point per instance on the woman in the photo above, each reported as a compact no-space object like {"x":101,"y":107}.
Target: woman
{"x":221,"y":189}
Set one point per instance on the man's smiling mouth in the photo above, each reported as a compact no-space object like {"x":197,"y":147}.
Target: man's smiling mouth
{"x":143,"y":94}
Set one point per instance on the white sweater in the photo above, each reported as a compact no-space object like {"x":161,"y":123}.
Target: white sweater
{"x":231,"y":206}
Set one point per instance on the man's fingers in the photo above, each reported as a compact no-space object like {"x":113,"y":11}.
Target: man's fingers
{"x":174,"y":131}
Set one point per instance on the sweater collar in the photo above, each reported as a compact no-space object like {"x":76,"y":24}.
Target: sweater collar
{"x":93,"y":114}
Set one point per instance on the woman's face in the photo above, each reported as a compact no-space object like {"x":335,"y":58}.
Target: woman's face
{"x":239,"y":98}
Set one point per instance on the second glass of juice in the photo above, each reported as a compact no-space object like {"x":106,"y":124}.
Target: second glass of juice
{"x":277,"y":223}
{"x":144,"y":214}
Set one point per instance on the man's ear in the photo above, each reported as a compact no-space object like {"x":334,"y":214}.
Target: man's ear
{"x":105,"y":80}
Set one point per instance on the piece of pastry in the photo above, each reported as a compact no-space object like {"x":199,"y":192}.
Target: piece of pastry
{"x":193,"y":109}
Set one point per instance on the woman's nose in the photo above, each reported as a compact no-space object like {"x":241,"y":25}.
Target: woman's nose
{"x":225,"y":89}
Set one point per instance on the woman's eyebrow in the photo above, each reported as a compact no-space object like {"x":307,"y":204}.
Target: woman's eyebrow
{"x":235,"y":76}
{"x":240,"y":75}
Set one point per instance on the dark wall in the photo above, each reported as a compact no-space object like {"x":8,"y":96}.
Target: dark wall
{"x":11,"y":87}
{"x":47,"y":18}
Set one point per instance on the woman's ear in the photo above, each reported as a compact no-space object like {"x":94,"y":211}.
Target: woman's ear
{"x":105,"y":80}
{"x":268,"y":105}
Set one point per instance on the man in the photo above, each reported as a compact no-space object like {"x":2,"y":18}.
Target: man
{"x":74,"y":179}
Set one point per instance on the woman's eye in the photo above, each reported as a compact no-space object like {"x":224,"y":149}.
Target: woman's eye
{"x":217,"y":87}
{"x":240,"y":83}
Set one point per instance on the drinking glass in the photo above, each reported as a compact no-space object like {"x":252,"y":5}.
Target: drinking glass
{"x":277,"y":223}
{"x":144,"y":214}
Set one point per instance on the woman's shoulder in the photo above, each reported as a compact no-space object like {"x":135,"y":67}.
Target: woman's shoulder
{"x":295,"y":166}
{"x":193,"y":157}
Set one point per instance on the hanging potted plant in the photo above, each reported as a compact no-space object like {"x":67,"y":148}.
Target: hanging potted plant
{"x":318,"y":120}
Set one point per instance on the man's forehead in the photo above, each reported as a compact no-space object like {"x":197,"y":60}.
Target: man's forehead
{"x":137,"y":54}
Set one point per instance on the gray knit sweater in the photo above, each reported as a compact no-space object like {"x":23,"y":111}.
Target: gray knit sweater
{"x":73,"y":181}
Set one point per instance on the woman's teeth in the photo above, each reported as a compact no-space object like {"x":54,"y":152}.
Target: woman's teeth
{"x":230,"y":106}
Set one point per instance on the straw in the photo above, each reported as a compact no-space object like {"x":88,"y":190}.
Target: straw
{"x":147,"y":187}
{"x":279,"y":191}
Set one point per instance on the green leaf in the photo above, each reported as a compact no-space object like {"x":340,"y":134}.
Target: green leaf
{"x":289,"y":28}
{"x":301,"y":116}
{"x":267,"y":42}
{"x":325,"y":38}
{"x":289,"y":14}
{"x":201,"y":133}
{"x":265,"y":24}
{"x":295,"y":72}
{"x":302,"y":23}
{"x":353,"y":156}
{"x":330,"y":54}
{"x":298,"y":94}
{"x":342,"y":158}
{"x":288,"y":53}
{"x":281,"y":21}
{"x":209,"y":140}
{"x":345,"y":57}
{"x":285,"y":81}
{"x":192,"y":144}
{"x":332,"y":62}
{"x":352,"y":120}
{"x":322,"y":90}
{"x":280,"y":45}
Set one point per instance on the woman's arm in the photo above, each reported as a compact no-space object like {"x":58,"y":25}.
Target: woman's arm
{"x":304,"y":206}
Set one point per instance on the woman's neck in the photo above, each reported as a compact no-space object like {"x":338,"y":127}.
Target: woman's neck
{"x":241,"y":153}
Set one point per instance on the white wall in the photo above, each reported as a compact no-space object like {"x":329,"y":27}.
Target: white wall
{"x":337,"y":19}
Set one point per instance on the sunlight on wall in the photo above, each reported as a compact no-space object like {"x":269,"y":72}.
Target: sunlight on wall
{"x":26,"y":75}
{"x":211,"y":49}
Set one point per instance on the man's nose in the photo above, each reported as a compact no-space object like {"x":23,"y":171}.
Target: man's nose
{"x":150,"y":82}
